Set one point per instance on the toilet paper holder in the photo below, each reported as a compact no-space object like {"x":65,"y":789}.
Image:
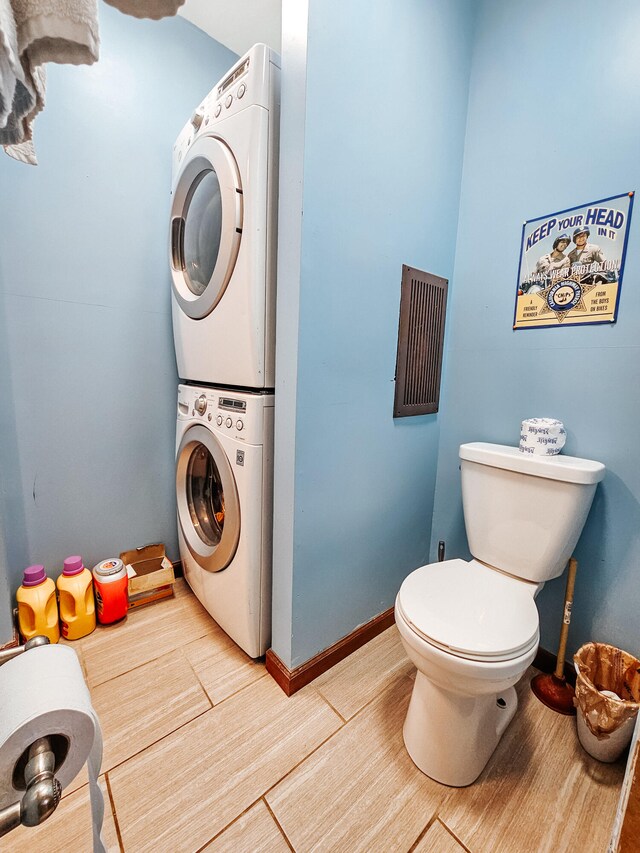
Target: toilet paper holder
{"x":34,"y":770}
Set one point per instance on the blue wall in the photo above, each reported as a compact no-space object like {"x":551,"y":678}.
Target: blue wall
{"x":386,"y":99}
{"x":373,"y":144}
{"x":88,"y":374}
{"x":6,"y":627}
{"x":554,"y":122}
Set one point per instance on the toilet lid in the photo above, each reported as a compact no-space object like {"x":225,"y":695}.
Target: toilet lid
{"x":470,"y":610}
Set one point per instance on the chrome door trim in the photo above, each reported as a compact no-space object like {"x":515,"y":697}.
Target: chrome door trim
{"x":217,"y":557}
{"x":208,"y":153}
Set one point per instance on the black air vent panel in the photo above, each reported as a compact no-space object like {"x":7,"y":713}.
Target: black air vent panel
{"x":423,"y":303}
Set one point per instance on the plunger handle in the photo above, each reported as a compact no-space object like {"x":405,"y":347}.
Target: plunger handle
{"x":566,"y":619}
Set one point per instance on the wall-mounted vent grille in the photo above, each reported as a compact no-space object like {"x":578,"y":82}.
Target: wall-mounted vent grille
{"x":423,"y":302}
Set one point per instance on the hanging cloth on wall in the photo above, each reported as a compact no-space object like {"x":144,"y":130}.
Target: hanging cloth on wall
{"x":47,"y":31}
{"x":33,"y":32}
{"x":147,"y":8}
{"x":18,"y":135}
{"x":62,"y":31}
{"x":11,"y":74}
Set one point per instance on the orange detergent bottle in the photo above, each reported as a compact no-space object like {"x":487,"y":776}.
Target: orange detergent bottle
{"x":37,"y":605}
{"x":77,"y":604}
{"x":111,"y":585}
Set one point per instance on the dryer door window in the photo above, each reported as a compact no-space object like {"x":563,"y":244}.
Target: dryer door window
{"x":206,"y":226}
{"x":208,"y":506}
{"x":202,"y":231}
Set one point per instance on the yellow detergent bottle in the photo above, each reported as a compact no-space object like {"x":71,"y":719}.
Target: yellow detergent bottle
{"x":77,"y":604}
{"x":37,"y":605}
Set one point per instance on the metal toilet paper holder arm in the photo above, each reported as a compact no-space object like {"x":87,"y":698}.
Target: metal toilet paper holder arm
{"x":42,"y":790}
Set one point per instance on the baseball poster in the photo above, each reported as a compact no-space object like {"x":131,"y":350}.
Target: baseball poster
{"x":571,"y":265}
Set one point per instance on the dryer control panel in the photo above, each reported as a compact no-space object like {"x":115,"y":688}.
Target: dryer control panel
{"x":238,"y":414}
{"x":253,"y":81}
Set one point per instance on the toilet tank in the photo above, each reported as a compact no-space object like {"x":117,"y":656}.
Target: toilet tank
{"x":524,"y":514}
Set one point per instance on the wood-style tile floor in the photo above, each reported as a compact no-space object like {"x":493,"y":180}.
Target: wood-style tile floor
{"x":203,"y":752}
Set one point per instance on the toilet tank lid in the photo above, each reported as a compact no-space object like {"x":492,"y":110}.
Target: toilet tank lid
{"x":569,"y":469}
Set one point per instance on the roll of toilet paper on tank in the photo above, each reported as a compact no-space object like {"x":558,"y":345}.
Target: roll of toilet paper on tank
{"x":542,"y":436}
{"x":43,"y":693}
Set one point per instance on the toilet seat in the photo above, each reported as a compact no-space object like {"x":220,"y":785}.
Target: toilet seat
{"x":470,"y":611}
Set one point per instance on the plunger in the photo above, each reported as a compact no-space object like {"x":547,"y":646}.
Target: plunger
{"x":552,"y":689}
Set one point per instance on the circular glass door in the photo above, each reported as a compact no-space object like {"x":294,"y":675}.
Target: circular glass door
{"x":208,"y":506}
{"x":206,"y":226}
{"x":202,"y":231}
{"x":205,"y":496}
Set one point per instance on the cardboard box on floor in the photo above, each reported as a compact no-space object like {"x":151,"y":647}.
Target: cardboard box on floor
{"x":151,"y":575}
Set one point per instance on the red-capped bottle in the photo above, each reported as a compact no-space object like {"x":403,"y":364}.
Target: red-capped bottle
{"x":111,"y":588}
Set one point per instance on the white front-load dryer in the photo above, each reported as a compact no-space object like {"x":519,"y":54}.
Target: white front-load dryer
{"x":224,"y":488}
{"x":224,"y":227}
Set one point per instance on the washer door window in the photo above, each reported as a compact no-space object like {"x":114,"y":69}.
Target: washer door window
{"x":206,"y":226}
{"x":208,"y":505}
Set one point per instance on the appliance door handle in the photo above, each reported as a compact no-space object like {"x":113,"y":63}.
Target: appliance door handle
{"x":177,"y":243}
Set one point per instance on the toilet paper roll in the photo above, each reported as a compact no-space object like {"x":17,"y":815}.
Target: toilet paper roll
{"x":43,"y":693}
{"x":542,"y":436}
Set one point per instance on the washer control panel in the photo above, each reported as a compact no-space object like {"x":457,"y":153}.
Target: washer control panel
{"x":248,"y":83}
{"x":238,"y":414}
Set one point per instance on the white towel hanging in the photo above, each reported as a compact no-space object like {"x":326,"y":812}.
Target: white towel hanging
{"x":11,"y":73}
{"x":147,"y":8}
{"x":61,"y":31}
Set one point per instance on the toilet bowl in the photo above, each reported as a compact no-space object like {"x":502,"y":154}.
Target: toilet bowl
{"x":471,"y":631}
{"x":471,"y":627}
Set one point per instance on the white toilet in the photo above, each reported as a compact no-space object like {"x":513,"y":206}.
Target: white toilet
{"x":471,"y":628}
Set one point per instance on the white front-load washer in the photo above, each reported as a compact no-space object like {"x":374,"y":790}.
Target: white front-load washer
{"x":224,"y":227}
{"x":224,"y":489}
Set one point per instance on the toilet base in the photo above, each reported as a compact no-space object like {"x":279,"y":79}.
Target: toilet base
{"x":451,"y":737}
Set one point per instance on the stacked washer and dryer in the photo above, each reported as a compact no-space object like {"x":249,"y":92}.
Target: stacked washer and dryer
{"x":223,"y":266}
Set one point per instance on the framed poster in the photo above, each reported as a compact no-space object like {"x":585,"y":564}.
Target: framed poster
{"x":571,"y":265}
